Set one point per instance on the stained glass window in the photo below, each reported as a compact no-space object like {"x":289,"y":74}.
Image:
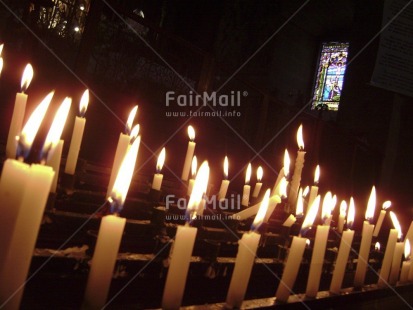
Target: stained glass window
{"x":330,"y":76}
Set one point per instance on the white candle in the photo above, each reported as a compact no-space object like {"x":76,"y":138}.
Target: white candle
{"x":25,"y":234}
{"x":289,"y":221}
{"x":103,"y":261}
{"x":191,"y":181}
{"x":158,"y":177}
{"x":183,"y":246}
{"x":245,"y":259}
{"x":77,"y":135}
{"x":258,"y":185}
{"x":53,"y":160}
{"x":298,"y":168}
{"x":396,"y":261}
{"x":18,"y":113}
{"x":189,"y":153}
{"x":284,"y":173}
{"x":314,"y":188}
{"x":387,"y":258}
{"x":247,"y":188}
{"x":404,"y":275}
{"x":367,"y":235}
{"x":341,"y":217}
{"x":317,"y":260}
{"x":386,"y":205}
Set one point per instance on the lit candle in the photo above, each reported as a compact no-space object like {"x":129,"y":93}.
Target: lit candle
{"x":314,"y":188}
{"x":158,"y":176}
{"x":247,"y":188}
{"x":341,"y":216}
{"x":343,"y":253}
{"x":404,"y":275}
{"x":191,"y":181}
{"x":397,"y":253}
{"x":284,"y":173}
{"x":225,"y":182}
{"x":367,"y":235}
{"x":53,"y":146}
{"x":258,"y":185}
{"x":386,"y":205}
{"x":18,"y":112}
{"x":77,"y":135}
{"x":121,"y":149}
{"x":295,"y":255}
{"x":189,"y":153}
{"x":298,"y":168}
{"x":244,"y":261}
{"x":110,"y":235}
{"x":183,"y":245}
{"x":387,"y":258}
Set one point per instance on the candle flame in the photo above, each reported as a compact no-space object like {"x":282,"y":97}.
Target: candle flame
{"x":299,"y":210}
{"x":248,"y":174}
{"x":200,"y":184}
{"x":84,"y":101}
{"x":406,"y":249}
{"x":31,"y":128}
{"x":317,"y":174}
{"x":311,"y":214}
{"x":371,"y":205}
{"x":191,"y":133}
{"x":300,"y":140}
{"x":306,"y":191}
{"x":123,"y":179}
{"x":130,"y":120}
{"x":377,"y":246}
{"x":161,"y":160}
{"x":351,"y":213}
{"x":259,"y":218}
{"x":27,"y":77}
{"x":386,"y":205}
{"x":327,"y":204}
{"x":226,"y":164}
{"x":307,"y":243}
{"x":396,"y":224}
{"x":286,"y":163}
{"x":1,"y":48}
{"x":260,"y":173}
{"x":283,"y":188}
{"x":343,"y":208}
{"x":194,"y":166}
{"x":57,"y":126}
{"x":333,"y":202}
{"x":134,"y":133}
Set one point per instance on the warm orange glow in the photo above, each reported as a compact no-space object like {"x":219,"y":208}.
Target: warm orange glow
{"x":283,"y":188}
{"x":396,"y":224}
{"x":56,"y":129}
{"x":377,"y":246}
{"x":124,"y":177}
{"x":261,"y":211}
{"x":27,"y":77}
{"x":371,"y":205}
{"x":194,"y":166}
{"x":317,"y":174}
{"x":386,"y":205}
{"x":248,"y":174}
{"x":1,"y":48}
{"x":1,"y":64}
{"x":84,"y":102}
{"x":311,"y":213}
{"x":406,"y":249}
{"x":161,"y":160}
{"x":191,"y":133}
{"x":299,"y":210}
{"x":306,"y":191}
{"x":130,"y":120}
{"x":300,"y":140}
{"x":286,"y":163}
{"x":343,"y":208}
{"x":32,"y":126}
{"x":260,"y":174}
{"x":351,"y":213}
{"x":134,"y":133}
{"x":327,"y":204}
{"x":226,"y":164}
{"x":200,"y":184}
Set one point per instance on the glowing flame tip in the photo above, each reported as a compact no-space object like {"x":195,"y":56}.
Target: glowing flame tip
{"x":371,"y":205}
{"x":226,"y":167}
{"x":161,"y":160}
{"x":300,"y":140}
{"x":396,"y":224}
{"x":260,"y":173}
{"x":84,"y":102}
{"x":130,"y":120}
{"x":261,"y":211}
{"x":386,"y":205}
{"x":27,"y":77}
{"x":191,"y":133}
{"x":248,"y":174}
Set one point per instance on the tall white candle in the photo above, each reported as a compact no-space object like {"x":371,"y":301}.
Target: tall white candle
{"x":189,"y":153}
{"x":298,"y":168}
{"x":314,"y":188}
{"x":387,"y":258}
{"x":158,"y":176}
{"x":225,"y":182}
{"x":191,"y":181}
{"x":258,"y":185}
{"x":18,"y":113}
{"x":247,"y":188}
{"x":245,"y":259}
{"x":183,"y":246}
{"x":396,"y":261}
{"x":77,"y":135}
{"x":404,"y":274}
{"x":367,"y":235}
{"x":386,"y":205}
{"x":284,"y":173}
